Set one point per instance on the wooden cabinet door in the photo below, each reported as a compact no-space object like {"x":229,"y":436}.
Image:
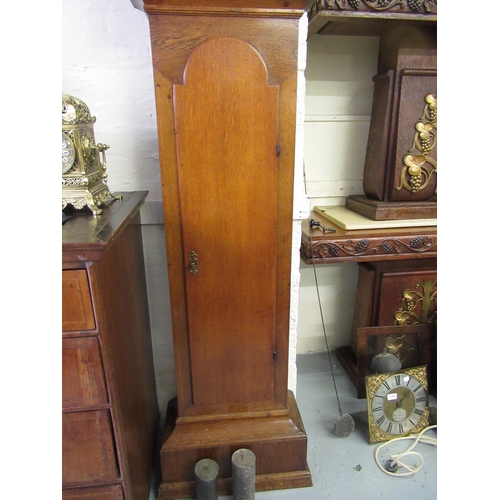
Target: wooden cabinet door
{"x":227,"y":140}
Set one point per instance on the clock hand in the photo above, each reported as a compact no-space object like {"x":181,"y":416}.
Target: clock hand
{"x":399,"y":403}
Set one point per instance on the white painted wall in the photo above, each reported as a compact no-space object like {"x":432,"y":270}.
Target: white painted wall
{"x":106,"y":62}
{"x":338,"y":101}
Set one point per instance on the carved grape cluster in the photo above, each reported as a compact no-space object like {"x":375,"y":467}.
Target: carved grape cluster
{"x":386,"y":247}
{"x":415,"y":5}
{"x":425,"y":145}
{"x":415,"y":183}
{"x":354,"y":3}
{"x":383,"y":3}
{"x":416,"y":242}
{"x":334,"y":251}
{"x":362,"y":246}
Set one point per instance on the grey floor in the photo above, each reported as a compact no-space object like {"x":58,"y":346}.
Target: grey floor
{"x":345,"y":468}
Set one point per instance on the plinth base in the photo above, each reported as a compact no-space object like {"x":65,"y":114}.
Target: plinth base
{"x":277,"y":439}
{"x":390,"y":210}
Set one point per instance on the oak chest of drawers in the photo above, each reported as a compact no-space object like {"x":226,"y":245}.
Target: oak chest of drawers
{"x":109,"y":402}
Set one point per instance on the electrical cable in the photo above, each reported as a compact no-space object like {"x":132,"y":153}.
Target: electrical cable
{"x":391,"y":466}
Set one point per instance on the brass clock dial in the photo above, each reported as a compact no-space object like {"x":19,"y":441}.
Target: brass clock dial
{"x":397,"y":403}
{"x":68,"y":153}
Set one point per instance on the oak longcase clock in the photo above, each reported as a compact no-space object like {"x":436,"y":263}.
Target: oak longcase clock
{"x":225,"y":82}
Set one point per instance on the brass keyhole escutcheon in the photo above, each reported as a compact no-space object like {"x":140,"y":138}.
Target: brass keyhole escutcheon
{"x":193,"y":262}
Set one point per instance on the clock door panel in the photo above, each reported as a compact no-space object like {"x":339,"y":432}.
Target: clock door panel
{"x":227,"y":137}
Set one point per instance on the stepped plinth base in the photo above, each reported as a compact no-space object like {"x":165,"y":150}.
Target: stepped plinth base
{"x":277,"y":439}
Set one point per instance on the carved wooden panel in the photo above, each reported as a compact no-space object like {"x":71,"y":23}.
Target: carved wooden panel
{"x":368,"y":17}
{"x":365,"y":245}
{"x":376,"y":6}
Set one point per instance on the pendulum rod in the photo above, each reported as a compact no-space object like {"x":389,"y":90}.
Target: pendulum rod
{"x":344,"y":423}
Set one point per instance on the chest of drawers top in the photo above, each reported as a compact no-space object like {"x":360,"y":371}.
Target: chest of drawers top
{"x":86,"y":237}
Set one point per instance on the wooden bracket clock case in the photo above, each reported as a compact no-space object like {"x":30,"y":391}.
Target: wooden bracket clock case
{"x":225,"y":80}
{"x":400,"y":173}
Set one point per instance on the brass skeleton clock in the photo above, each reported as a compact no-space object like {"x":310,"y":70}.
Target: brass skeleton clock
{"x":397,"y":403}
{"x":83,"y":161}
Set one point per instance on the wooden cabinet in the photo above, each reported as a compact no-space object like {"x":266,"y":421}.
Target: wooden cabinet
{"x":109,"y":402}
{"x":400,"y":174}
{"x":226,"y":80}
{"x":398,"y":294}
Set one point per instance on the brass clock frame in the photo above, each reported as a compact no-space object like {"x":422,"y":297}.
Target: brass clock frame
{"x":84,"y":184}
{"x":396,"y":383}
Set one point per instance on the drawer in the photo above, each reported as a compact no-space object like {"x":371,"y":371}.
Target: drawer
{"x":82,"y":373}
{"x":77,"y":313}
{"x":113,"y":492}
{"x":88,"y":450}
